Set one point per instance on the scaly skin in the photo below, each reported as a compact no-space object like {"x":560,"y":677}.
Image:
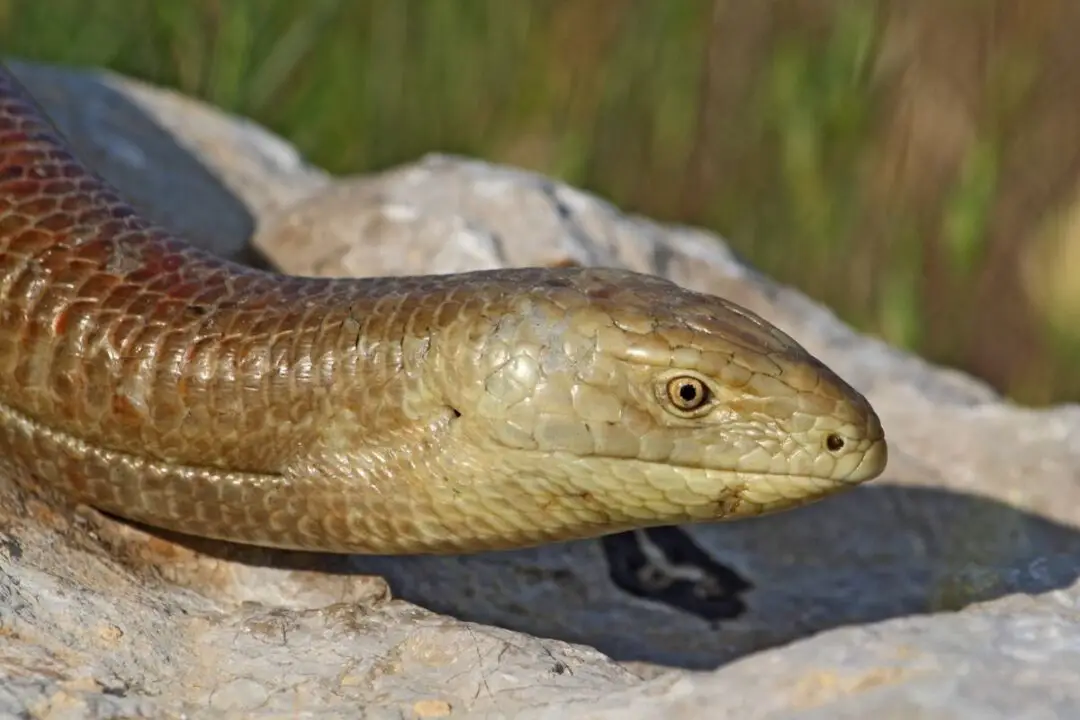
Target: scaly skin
{"x":488,"y":410}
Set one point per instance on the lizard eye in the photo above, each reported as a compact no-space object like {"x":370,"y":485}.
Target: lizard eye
{"x":687,"y":393}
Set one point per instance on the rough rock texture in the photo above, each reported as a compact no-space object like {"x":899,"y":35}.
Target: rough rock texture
{"x":946,"y":589}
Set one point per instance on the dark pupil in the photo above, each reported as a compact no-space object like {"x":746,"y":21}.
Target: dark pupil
{"x":688,"y":392}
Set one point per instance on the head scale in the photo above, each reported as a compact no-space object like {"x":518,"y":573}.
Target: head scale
{"x":654,"y":404}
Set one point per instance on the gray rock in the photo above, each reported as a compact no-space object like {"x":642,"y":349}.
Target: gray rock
{"x":947,"y":588}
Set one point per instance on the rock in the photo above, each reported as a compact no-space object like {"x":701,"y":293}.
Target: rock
{"x":947,"y":588}
{"x":1016,"y":657}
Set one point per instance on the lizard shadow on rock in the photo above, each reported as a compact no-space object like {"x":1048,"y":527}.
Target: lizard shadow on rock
{"x":875,"y":553}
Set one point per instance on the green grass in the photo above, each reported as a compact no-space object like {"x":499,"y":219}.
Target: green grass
{"x":765,"y":122}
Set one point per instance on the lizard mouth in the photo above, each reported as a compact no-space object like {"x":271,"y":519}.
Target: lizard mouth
{"x":871,"y":463}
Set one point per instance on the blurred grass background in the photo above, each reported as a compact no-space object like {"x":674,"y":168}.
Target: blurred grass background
{"x":914,"y":164}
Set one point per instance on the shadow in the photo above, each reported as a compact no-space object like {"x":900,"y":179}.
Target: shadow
{"x":875,"y":553}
